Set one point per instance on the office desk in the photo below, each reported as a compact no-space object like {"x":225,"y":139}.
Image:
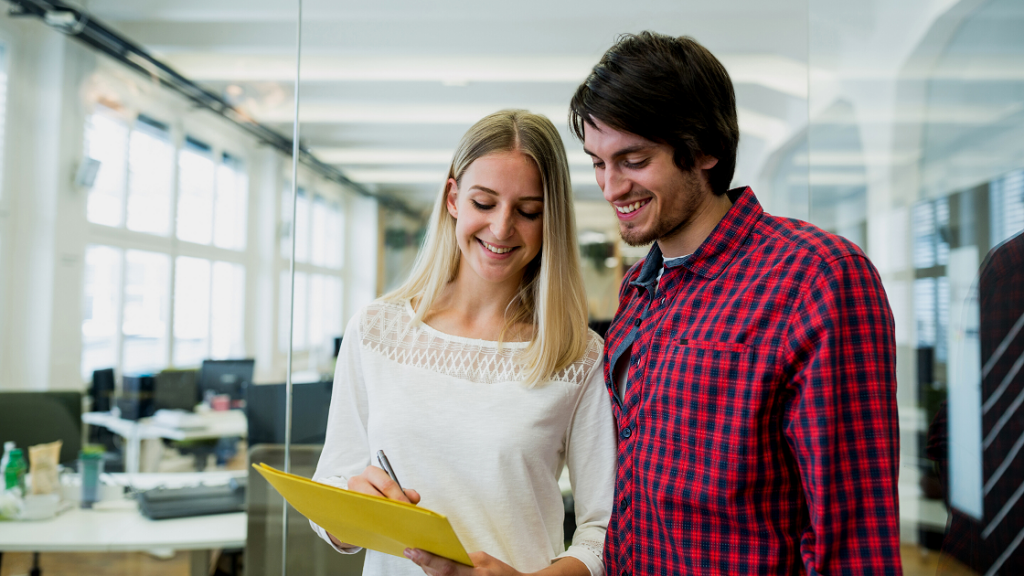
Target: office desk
{"x":198,"y":427}
{"x":119,"y":527}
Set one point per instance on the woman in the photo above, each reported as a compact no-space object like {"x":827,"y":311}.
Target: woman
{"x":478,"y":377}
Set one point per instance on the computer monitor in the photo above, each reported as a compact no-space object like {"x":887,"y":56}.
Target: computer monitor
{"x":30,"y":418}
{"x":264,"y":409}
{"x":229,"y":377}
{"x":175,"y":389}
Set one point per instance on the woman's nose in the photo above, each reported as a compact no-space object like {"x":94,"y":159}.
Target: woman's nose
{"x":501,"y":225}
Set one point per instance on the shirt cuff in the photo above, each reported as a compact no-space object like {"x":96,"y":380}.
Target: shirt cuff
{"x":337,"y":482}
{"x":589,"y":552}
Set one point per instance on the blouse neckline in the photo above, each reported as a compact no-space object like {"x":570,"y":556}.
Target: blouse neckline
{"x":477,"y":341}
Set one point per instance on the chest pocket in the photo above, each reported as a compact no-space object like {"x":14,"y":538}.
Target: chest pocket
{"x":710,"y":409}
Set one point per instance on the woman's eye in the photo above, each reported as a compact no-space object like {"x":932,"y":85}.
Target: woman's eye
{"x":480,"y":206}
{"x":531,"y":215}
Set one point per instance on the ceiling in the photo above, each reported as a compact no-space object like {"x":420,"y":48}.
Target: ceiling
{"x":388,"y":88}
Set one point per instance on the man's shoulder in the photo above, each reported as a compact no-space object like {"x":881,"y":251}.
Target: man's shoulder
{"x":792,"y":238}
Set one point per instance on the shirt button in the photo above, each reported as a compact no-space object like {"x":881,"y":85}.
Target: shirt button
{"x":663,"y":301}
{"x":637,"y":323}
{"x":624,"y":504}
{"x":626,"y":433}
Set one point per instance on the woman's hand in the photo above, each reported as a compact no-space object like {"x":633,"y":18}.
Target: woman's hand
{"x":376,"y":482}
{"x":483,"y":564}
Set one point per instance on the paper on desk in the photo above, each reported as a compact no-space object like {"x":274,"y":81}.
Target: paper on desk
{"x":368,"y":521}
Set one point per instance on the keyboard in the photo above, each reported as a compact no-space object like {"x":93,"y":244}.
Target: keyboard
{"x":162,"y":503}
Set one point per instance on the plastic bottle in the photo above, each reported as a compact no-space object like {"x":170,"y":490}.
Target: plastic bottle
{"x":8,"y":446}
{"x":14,"y":472}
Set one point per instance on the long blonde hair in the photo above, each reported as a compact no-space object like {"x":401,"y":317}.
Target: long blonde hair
{"x":551,"y":297}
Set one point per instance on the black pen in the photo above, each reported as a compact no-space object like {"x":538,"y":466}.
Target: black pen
{"x":383,"y":460}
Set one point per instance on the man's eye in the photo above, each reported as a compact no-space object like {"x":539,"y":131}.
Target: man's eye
{"x":639,"y":164}
{"x":598,"y":165}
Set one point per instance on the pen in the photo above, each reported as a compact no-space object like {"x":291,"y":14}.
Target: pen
{"x":383,"y":460}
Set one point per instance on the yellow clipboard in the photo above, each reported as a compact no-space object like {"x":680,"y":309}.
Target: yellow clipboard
{"x":368,"y":521}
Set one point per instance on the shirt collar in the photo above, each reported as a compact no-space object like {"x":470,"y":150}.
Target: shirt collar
{"x":713,"y":256}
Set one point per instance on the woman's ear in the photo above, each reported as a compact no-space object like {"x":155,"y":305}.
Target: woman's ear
{"x":451,"y":198}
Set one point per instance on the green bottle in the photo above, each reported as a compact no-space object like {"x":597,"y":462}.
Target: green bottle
{"x":14,"y":473}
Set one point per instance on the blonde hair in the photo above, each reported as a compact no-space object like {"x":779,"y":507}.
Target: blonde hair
{"x":551,"y":297}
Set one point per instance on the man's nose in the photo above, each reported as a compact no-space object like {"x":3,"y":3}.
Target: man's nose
{"x":614,"y":186}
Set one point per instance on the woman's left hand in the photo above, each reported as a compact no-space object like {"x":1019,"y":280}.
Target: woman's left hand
{"x":483,"y":564}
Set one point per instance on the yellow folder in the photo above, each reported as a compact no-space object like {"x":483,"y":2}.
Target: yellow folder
{"x":368,"y":521}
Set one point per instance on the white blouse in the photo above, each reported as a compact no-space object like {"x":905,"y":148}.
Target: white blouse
{"x":459,"y":427}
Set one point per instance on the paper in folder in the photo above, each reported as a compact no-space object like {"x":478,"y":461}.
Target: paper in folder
{"x":368,"y":521}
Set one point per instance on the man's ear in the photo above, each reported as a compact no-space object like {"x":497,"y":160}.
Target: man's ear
{"x":707,"y":162}
{"x":451,"y":198}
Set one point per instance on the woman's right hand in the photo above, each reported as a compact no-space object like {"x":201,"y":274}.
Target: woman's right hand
{"x":376,"y":482}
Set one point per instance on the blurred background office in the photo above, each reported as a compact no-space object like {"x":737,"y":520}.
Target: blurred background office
{"x":146,"y":222}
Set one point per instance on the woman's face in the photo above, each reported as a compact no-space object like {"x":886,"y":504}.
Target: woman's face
{"x":499,"y":216}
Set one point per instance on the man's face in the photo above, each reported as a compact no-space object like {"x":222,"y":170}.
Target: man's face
{"x":653,"y":198}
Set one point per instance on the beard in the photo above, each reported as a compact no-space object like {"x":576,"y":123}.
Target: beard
{"x":668,"y":220}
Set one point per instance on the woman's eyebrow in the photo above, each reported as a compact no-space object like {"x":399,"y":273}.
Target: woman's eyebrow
{"x":493,"y":193}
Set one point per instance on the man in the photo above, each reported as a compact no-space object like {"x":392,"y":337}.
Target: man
{"x":751,"y":362}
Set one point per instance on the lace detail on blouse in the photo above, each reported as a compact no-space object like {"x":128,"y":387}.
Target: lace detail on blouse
{"x":385,"y":329}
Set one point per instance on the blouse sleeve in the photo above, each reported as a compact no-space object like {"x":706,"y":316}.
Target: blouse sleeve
{"x":590,"y":457}
{"x":346,"y":449}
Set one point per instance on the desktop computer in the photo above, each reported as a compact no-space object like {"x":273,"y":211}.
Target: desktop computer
{"x":230,"y":377}
{"x":136,"y":399}
{"x":102,"y":390}
{"x":175,"y":390}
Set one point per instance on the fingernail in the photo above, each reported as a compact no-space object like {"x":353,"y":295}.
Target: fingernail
{"x":410,"y":554}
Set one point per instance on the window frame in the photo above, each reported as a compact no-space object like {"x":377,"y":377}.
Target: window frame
{"x":124,"y":239}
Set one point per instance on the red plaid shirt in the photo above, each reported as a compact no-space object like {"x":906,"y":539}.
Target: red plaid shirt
{"x":758,"y":432}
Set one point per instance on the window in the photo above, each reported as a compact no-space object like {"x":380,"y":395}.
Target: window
{"x":146,"y":311}
{"x":3,"y":108}
{"x":106,"y":140}
{"x":230,"y":204}
{"x":134,"y":319}
{"x":100,"y":306}
{"x":208,"y":310}
{"x":150,"y":174}
{"x":318,"y":268}
{"x":195,"y":192}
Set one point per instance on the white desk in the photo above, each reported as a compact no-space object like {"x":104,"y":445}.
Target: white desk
{"x":196,"y":427}
{"x":119,"y":527}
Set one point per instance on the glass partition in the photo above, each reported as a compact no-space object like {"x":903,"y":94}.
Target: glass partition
{"x":914,"y":153}
{"x":140,"y":202}
{"x":149,"y":209}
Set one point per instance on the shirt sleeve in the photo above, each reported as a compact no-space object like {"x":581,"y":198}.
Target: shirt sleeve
{"x":841,"y":421}
{"x":346,"y":448}
{"x":590,"y":457}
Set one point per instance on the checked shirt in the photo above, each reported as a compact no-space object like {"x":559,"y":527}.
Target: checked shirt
{"x":758,"y":431}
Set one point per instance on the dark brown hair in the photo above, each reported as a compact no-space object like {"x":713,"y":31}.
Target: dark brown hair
{"x":668,"y":90}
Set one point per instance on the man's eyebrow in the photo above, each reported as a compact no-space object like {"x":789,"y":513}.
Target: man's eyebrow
{"x":493,"y":193}
{"x":624,"y":151}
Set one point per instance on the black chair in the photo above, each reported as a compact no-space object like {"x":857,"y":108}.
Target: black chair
{"x":30,"y":418}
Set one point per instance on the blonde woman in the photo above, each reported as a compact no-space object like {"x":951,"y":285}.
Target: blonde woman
{"x":479,"y":377}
